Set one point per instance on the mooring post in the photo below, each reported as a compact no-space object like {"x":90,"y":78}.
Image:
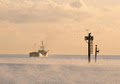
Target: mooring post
{"x":89,"y":55}
{"x":96,"y":52}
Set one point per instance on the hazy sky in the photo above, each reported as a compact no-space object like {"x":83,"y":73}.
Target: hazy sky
{"x":61,"y":24}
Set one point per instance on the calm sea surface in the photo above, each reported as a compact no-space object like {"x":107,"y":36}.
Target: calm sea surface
{"x":106,"y":57}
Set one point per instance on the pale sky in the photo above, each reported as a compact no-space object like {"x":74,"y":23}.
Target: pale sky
{"x":61,"y":24}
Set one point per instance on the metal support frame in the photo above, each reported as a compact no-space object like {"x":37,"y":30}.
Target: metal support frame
{"x":89,"y":39}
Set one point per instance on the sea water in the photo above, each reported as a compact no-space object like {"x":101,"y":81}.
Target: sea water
{"x":59,"y":69}
{"x":105,"y":57}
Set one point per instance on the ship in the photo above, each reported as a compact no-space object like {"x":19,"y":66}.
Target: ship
{"x":41,"y":52}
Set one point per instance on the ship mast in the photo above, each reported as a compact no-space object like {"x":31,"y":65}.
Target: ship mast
{"x":42,"y":46}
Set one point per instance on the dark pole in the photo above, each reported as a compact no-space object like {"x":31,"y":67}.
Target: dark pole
{"x":95,"y":53}
{"x":89,"y":54}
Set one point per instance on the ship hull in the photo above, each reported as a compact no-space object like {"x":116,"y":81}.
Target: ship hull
{"x":33,"y":54}
{"x":43,"y":53}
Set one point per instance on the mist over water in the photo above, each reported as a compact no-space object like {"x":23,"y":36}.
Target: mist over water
{"x":59,"y":69}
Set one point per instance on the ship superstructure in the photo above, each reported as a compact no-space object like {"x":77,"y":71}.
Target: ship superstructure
{"x":42,"y":50}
